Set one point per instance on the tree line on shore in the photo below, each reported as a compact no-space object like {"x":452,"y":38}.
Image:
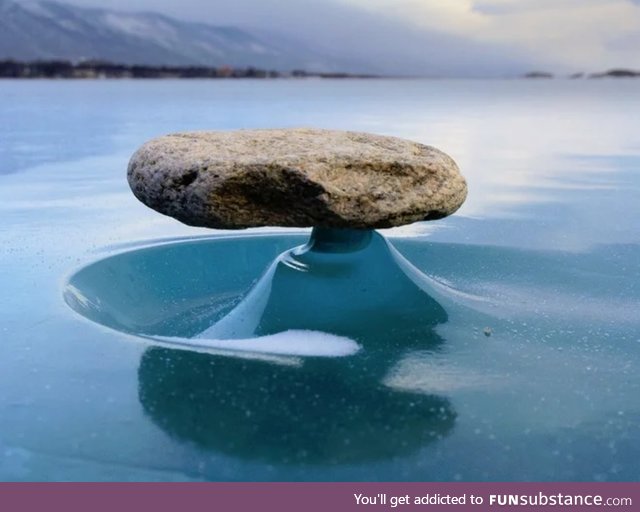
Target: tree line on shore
{"x":92,"y":69}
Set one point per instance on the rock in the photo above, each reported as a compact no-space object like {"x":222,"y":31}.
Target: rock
{"x":295,"y":178}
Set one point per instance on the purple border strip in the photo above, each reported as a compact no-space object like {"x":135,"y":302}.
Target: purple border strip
{"x":317,"y":497}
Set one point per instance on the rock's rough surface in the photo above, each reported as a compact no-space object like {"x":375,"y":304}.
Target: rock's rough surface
{"x":296,"y":178}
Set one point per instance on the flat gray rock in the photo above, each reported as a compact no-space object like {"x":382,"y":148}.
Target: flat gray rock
{"x":295,"y":178}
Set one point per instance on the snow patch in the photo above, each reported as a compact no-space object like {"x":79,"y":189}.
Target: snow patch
{"x":291,"y":343}
{"x":140,"y":26}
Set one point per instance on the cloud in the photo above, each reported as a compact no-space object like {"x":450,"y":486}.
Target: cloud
{"x":561,"y":34}
{"x":504,"y":7}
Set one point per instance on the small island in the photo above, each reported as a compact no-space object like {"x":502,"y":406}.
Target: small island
{"x":616,"y":73}
{"x":538,"y":74}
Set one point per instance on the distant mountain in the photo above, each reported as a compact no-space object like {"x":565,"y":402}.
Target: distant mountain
{"x":49,"y":30}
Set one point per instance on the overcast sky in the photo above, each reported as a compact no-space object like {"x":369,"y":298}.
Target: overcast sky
{"x":447,"y":36}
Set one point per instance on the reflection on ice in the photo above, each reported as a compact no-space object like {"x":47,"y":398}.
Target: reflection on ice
{"x":422,"y":373}
{"x":324,"y":412}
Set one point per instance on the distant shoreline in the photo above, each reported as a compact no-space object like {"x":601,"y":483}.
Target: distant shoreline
{"x":98,"y":70}
{"x":611,"y":73}
{"x":95,"y":70}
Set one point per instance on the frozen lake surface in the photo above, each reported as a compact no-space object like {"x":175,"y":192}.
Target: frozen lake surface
{"x":545,"y":252}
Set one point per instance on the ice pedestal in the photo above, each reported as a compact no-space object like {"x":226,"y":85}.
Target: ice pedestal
{"x":346,"y":282}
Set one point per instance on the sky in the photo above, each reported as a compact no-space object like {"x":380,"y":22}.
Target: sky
{"x":439,"y":37}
